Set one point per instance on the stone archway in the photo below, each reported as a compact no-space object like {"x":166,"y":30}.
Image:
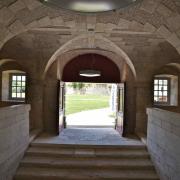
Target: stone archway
{"x":65,"y":58}
{"x":4,"y":61}
{"x":175,"y":65}
{"x":110,"y":74}
{"x":91,"y":42}
{"x":52,"y":81}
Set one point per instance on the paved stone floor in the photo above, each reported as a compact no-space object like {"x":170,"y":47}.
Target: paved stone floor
{"x":91,"y":118}
{"x":88,"y":136}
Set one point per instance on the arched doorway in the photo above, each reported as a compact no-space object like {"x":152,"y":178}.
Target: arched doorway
{"x":109,"y":74}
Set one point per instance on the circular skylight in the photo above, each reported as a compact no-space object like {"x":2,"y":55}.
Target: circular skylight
{"x":90,"y":6}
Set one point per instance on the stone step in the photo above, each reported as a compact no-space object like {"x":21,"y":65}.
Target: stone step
{"x":57,"y":161}
{"x":91,"y":163}
{"x":86,"y":146}
{"x":79,"y":152}
{"x":33,"y":173}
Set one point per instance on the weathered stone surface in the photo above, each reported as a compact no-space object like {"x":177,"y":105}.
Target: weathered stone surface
{"x":16,"y":27}
{"x":32,"y":4}
{"x":149,"y":5}
{"x":163,"y":140}
{"x":164,"y":11}
{"x":173,"y":22}
{"x":164,"y":32}
{"x":14,"y":138}
{"x":6,"y":16}
{"x":150,"y":14}
{"x":17,"y":6}
{"x":174,"y":40}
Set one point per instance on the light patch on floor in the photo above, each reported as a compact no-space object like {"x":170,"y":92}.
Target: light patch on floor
{"x":92,"y":118}
{"x":88,"y":136}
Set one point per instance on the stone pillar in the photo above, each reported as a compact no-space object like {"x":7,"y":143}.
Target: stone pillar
{"x":0,"y":85}
{"x":50,"y":105}
{"x":130,"y":107}
{"x":35,"y":98}
{"x":144,"y":97}
{"x":130,"y":103}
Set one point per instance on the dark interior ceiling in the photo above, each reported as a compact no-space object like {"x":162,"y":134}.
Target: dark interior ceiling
{"x":109,"y":71}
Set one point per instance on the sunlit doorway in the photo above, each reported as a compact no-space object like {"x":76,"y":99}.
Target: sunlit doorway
{"x":91,"y":105}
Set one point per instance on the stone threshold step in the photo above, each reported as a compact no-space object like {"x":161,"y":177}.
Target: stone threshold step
{"x":115,"y":156}
{"x":83,"y":146}
{"x":34,"y":151}
{"x":93,"y":163}
{"x":74,"y":150}
{"x":25,"y":173}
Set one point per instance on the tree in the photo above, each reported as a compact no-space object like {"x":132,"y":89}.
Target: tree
{"x":79,"y":87}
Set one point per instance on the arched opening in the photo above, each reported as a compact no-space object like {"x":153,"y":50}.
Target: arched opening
{"x":93,"y":94}
{"x":120,"y":72}
{"x":166,"y":91}
{"x":13,"y":86}
{"x":54,"y":73}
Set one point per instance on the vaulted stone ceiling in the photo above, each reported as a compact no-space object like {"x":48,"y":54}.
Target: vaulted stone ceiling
{"x":37,"y":31}
{"x":47,"y":41}
{"x":159,"y":17}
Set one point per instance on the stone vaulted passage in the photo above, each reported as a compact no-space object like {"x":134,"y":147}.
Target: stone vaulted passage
{"x":136,"y":44}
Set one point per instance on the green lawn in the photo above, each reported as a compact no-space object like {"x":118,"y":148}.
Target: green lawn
{"x":77,"y":103}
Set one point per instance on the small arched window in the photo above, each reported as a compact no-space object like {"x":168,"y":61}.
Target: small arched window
{"x":13,"y":85}
{"x":166,"y":90}
{"x":17,"y":86}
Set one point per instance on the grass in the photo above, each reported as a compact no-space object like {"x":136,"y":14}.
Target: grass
{"x":77,"y":103}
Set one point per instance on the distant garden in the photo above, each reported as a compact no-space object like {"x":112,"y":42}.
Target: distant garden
{"x":86,"y":96}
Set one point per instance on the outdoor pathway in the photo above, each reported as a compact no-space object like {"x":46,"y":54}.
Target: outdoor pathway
{"x":91,"y":118}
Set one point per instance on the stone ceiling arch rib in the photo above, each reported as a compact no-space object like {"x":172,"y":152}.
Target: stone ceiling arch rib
{"x":90,"y":42}
{"x":175,"y":65}
{"x":159,"y":17}
{"x":4,"y":61}
{"x":12,"y":63}
{"x":68,"y":56}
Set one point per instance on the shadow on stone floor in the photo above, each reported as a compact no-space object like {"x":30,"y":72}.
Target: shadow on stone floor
{"x":88,"y":136}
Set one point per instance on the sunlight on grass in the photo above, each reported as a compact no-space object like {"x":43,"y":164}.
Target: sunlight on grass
{"x":77,"y":103}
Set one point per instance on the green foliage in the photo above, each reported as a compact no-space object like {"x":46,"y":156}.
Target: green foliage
{"x":77,"y":86}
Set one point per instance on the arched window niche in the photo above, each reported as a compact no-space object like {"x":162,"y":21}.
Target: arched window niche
{"x":165,"y":92}
{"x":13,"y":85}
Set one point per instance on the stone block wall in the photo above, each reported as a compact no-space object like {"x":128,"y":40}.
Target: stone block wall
{"x":5,"y":86}
{"x":14,"y":138}
{"x":163,"y":140}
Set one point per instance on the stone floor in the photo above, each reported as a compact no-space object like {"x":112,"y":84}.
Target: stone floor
{"x":88,"y":136}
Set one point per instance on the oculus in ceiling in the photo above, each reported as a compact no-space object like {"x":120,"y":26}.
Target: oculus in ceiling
{"x":90,"y":6}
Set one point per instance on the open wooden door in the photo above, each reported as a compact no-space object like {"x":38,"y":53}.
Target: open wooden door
{"x":120,"y":108}
{"x":61,"y":107}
